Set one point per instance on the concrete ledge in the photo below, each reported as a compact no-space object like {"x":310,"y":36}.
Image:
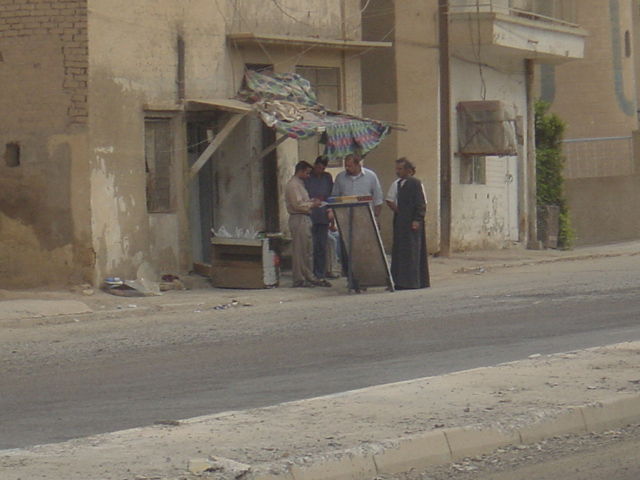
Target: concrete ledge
{"x":471,"y":441}
{"x":450,"y":445}
{"x":352,"y":465}
{"x":568,"y":422}
{"x":612,"y":413}
{"x":421,"y":451}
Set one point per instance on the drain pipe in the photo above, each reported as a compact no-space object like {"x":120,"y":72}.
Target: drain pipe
{"x":532,"y":203}
{"x":445,"y":129}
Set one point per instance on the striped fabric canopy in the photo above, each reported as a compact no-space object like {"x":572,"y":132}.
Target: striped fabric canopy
{"x":287,"y":103}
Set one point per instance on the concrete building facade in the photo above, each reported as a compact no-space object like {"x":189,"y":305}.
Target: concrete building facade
{"x":597,"y":97}
{"x":105,"y":106}
{"x":479,"y":196}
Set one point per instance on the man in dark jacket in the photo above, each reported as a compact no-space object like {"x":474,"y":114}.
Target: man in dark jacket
{"x":409,"y":266}
{"x":319,"y":185}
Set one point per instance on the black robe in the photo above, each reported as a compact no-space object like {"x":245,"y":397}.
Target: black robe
{"x":409,"y":266}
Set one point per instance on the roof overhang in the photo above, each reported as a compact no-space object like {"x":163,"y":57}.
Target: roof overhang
{"x":509,"y":36}
{"x":225,"y":104}
{"x":254,"y":39}
{"x":285,"y":102}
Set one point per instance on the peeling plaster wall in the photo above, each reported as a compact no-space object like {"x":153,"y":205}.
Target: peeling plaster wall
{"x":134,"y":75}
{"x":45,"y":236}
{"x":486,"y":216}
{"x":89,"y":71}
{"x":134,"y":64}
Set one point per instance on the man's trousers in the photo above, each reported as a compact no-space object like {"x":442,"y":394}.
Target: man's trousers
{"x":301,"y":261}
{"x":320,"y":235}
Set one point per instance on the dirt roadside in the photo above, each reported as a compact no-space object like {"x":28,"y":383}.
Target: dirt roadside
{"x":31,"y":307}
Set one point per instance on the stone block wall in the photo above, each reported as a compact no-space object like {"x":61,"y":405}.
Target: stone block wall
{"x":66,"y":19}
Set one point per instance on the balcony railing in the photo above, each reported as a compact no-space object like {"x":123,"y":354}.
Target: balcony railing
{"x":554,"y":11}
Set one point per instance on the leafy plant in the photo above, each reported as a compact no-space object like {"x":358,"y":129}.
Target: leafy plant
{"x":549,"y":130}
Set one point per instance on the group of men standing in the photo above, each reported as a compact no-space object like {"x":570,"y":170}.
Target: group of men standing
{"x":310,"y":219}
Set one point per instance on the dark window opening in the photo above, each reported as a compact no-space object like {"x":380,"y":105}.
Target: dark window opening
{"x":259,"y":67}
{"x":627,"y":44}
{"x":256,"y":67}
{"x":270,"y":179}
{"x":158,"y":159}
{"x":325,"y":82}
{"x":12,"y":154}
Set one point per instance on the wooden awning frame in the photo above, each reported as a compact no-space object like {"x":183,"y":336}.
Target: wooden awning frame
{"x":239,"y":110}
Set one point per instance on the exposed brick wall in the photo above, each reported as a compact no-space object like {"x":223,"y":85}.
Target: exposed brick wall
{"x":66,"y":19}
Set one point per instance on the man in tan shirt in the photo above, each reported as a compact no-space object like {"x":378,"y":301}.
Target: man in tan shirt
{"x":299,"y":206}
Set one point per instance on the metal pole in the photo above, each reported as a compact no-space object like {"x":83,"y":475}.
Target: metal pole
{"x":350,"y":279}
{"x":532,"y":202}
{"x":445,"y":129}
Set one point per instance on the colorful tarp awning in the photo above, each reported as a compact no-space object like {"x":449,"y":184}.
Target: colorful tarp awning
{"x":287,"y":103}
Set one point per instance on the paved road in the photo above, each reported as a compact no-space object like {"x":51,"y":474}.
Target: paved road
{"x":68,"y":380}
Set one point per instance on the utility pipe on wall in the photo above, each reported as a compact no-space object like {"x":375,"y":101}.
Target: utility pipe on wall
{"x":445,"y":129}
{"x":531,"y":206}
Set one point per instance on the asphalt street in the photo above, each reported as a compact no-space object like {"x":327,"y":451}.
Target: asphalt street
{"x":70,"y":379}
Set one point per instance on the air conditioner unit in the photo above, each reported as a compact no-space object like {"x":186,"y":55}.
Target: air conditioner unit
{"x":487,"y":127}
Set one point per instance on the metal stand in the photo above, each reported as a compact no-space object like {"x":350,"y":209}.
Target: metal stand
{"x":366,"y":261}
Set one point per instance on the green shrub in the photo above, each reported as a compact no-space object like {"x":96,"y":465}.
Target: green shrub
{"x":550,"y":162}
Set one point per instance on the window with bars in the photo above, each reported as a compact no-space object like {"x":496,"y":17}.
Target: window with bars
{"x":158,"y":160}
{"x":473,"y":170}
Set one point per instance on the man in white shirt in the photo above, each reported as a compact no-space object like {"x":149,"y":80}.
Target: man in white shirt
{"x":409,"y":266}
{"x":355,"y":180}
{"x":392,"y":195}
